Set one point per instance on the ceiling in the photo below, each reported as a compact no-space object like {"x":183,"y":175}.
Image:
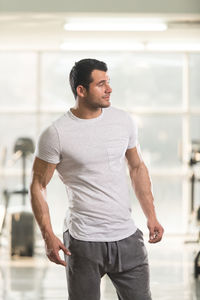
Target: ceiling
{"x":45,"y":31}
{"x":103,"y":6}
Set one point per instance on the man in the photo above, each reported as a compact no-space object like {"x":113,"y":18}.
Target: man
{"x":89,"y":146}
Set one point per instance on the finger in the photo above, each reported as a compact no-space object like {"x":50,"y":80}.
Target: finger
{"x":54,"y":257}
{"x":151,"y":234}
{"x":157,"y":237}
{"x":62,"y":262}
{"x":59,"y":262}
{"x":65,"y":250}
{"x":154,"y":241}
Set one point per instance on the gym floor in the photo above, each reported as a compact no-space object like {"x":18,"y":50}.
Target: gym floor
{"x":171,"y":266}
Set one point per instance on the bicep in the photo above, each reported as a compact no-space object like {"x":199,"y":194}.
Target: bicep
{"x":134,"y":158}
{"x":42,"y":172}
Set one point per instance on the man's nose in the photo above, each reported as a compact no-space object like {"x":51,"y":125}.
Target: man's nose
{"x":108,"y":89}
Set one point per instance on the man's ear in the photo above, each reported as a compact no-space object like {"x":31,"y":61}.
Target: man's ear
{"x":81,"y":91}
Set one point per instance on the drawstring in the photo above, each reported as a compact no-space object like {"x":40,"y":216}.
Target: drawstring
{"x":118,"y":254}
{"x":119,"y":257}
{"x":109,"y":253}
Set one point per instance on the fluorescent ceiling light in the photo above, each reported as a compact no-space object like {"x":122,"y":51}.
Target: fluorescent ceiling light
{"x":114,"y":24}
{"x":102,"y":45}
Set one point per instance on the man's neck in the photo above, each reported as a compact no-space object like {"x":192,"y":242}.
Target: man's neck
{"x":85,"y":113}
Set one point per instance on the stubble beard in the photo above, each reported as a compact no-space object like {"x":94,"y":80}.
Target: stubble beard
{"x":97,"y":105}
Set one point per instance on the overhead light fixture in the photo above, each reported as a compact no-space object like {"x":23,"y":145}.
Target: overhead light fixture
{"x":114,"y":24}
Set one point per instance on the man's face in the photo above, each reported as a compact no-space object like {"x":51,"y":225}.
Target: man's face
{"x":98,"y":94}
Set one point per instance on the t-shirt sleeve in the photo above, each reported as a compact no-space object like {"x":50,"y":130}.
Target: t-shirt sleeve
{"x":48,"y":146}
{"x":133,"y":133}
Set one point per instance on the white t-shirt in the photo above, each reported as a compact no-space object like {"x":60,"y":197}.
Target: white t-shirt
{"x":90,"y":158}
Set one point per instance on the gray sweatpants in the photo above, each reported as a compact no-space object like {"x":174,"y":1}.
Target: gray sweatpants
{"x":124,"y":261}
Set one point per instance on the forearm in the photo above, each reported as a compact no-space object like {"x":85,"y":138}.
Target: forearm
{"x":141,"y":183}
{"x":41,"y":210}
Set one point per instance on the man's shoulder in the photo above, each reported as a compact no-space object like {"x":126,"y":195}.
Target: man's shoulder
{"x":52,"y":128}
{"x":61,"y":119}
{"x":61,"y":122}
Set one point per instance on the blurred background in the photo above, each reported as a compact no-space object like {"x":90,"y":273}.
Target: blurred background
{"x":152,"y":49}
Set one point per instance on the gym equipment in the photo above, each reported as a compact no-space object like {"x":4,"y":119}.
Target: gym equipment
{"x":22,"y":234}
{"x":22,"y":223}
{"x":194,"y":160}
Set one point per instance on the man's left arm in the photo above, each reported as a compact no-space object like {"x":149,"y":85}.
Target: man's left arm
{"x":142,"y":186}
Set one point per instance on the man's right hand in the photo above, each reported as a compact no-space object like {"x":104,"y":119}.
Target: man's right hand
{"x":53,"y":245}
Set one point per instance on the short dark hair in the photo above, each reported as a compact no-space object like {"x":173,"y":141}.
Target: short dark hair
{"x":81,"y":73}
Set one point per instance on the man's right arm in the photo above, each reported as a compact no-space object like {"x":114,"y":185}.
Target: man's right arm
{"x":41,"y":175}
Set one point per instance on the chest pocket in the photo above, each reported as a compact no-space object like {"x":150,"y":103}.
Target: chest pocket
{"x":116,"y":151}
